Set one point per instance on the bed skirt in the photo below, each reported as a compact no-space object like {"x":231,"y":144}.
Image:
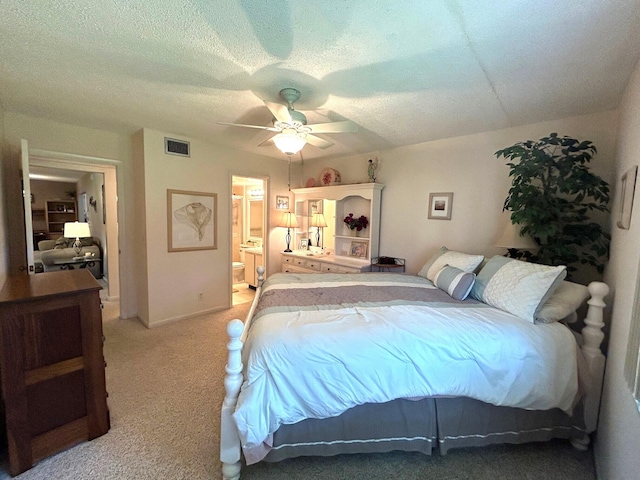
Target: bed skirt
{"x":422,"y":426}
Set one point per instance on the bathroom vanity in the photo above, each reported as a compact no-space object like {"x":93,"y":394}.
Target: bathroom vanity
{"x":253,"y":258}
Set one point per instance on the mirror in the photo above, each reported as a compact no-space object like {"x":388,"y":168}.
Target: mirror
{"x":255,"y":218}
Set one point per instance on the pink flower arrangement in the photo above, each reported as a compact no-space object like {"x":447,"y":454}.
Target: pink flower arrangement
{"x":356,"y":223}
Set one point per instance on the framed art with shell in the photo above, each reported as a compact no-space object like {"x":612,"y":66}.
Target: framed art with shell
{"x":191,"y":220}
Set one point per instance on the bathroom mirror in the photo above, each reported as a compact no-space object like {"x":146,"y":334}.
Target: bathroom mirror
{"x":255,"y":219}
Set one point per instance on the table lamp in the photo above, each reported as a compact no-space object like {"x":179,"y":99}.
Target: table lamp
{"x":317,"y":220}
{"x":76,"y":230}
{"x":288,"y":221}
{"x":515,"y":242}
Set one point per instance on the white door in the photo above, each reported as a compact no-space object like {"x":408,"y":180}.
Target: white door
{"x":26,"y":194}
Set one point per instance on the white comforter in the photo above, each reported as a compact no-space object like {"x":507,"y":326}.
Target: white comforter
{"x":319,"y":363}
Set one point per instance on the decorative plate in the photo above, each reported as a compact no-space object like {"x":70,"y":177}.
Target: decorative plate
{"x":330,"y":176}
{"x":311,"y":183}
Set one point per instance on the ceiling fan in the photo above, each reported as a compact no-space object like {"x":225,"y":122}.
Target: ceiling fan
{"x":291,"y":129}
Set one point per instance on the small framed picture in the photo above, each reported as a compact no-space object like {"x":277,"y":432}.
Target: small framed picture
{"x":304,"y":244}
{"x":314,"y":206}
{"x":627,"y":190}
{"x":282,"y":202}
{"x":358,"y":249}
{"x":440,"y":205}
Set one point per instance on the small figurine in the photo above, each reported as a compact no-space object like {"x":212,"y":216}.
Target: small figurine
{"x":372,"y":170}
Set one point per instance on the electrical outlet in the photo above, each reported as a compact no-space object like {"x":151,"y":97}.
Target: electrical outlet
{"x":200,"y":296}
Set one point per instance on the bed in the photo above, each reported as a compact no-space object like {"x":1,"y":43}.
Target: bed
{"x":429,"y":356}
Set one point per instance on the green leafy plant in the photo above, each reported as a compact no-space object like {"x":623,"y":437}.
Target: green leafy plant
{"x":552,"y":195}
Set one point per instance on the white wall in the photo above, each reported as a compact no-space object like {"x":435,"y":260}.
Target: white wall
{"x":176,"y":278}
{"x":618,"y":437}
{"x":467,"y":167}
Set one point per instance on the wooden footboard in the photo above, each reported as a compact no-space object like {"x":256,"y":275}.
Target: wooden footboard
{"x":230,"y":449}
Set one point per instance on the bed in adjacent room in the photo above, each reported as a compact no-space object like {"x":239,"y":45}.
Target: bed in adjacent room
{"x":441,"y":360}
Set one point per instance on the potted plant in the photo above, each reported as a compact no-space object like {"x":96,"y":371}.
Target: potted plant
{"x":552,"y":195}
{"x":356,"y":224}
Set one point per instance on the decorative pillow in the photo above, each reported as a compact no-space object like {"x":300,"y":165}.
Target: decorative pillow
{"x":515,"y":286}
{"x":444,"y":256}
{"x":62,"y":242}
{"x":455,"y":282}
{"x":565,"y":300}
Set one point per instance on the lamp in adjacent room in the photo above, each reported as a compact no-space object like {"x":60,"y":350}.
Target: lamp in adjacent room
{"x":289,"y":143}
{"x":77,"y":230}
{"x":516,"y":244}
{"x":317,"y":220}
{"x":288,"y":221}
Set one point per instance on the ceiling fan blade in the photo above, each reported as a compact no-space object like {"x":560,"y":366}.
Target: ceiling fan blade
{"x":334,"y":127}
{"x":318,"y":142}
{"x":271,"y":129}
{"x":266,"y":143}
{"x":281,"y":112}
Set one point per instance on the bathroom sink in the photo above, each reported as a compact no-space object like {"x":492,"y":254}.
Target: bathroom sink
{"x":253,"y":250}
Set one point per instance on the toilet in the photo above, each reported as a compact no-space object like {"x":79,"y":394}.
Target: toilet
{"x":238,"y":272}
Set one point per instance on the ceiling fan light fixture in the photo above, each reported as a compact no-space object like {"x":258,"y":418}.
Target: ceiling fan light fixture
{"x":289,"y":143}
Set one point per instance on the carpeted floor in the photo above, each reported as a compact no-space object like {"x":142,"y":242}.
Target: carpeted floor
{"x":165,"y":391}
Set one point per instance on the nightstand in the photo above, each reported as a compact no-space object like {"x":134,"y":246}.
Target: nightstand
{"x":388,"y":264}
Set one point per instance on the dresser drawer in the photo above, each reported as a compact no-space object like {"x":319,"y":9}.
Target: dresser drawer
{"x":287,"y":260}
{"x":307,"y":263}
{"x":349,"y":270}
{"x":294,"y":269}
{"x":329,"y":268}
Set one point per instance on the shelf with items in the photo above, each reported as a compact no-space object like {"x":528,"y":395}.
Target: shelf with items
{"x":358,"y":199}
{"x":59,"y":212}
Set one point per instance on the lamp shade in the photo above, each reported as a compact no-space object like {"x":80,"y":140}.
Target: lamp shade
{"x":76,"y":230}
{"x":317,"y":220}
{"x":289,"y":143}
{"x":511,"y":238}
{"x":288,"y":220}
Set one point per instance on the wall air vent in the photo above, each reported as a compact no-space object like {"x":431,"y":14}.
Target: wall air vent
{"x":176,"y":147}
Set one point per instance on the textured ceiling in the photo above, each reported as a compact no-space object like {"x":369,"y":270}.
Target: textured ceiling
{"x":404,"y":71}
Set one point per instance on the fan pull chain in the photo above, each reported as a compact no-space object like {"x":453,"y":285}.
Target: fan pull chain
{"x":289,"y":179}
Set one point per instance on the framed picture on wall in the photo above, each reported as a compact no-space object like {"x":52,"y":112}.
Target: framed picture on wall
{"x":191,"y":220}
{"x":282,"y":202}
{"x":627,"y":191}
{"x":440,"y":205}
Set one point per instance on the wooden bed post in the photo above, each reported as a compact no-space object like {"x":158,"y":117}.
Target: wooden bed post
{"x":593,"y":336}
{"x":229,"y":440}
{"x":230,"y":448}
{"x":260,"y":271}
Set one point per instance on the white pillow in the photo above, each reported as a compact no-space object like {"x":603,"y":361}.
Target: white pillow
{"x":565,"y":300}
{"x":517,"y":287}
{"x":444,"y":256}
{"x":455,"y":282}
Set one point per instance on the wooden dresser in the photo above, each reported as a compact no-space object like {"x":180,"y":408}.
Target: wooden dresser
{"x":51,"y":362}
{"x":299,"y":261}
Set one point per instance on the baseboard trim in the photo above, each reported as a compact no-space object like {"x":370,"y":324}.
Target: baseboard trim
{"x":166,"y":321}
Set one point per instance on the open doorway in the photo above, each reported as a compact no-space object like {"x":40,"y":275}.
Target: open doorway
{"x":96,"y":178}
{"x":248,"y":235}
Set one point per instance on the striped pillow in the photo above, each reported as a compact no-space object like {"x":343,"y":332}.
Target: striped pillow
{"x":454,"y":281}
